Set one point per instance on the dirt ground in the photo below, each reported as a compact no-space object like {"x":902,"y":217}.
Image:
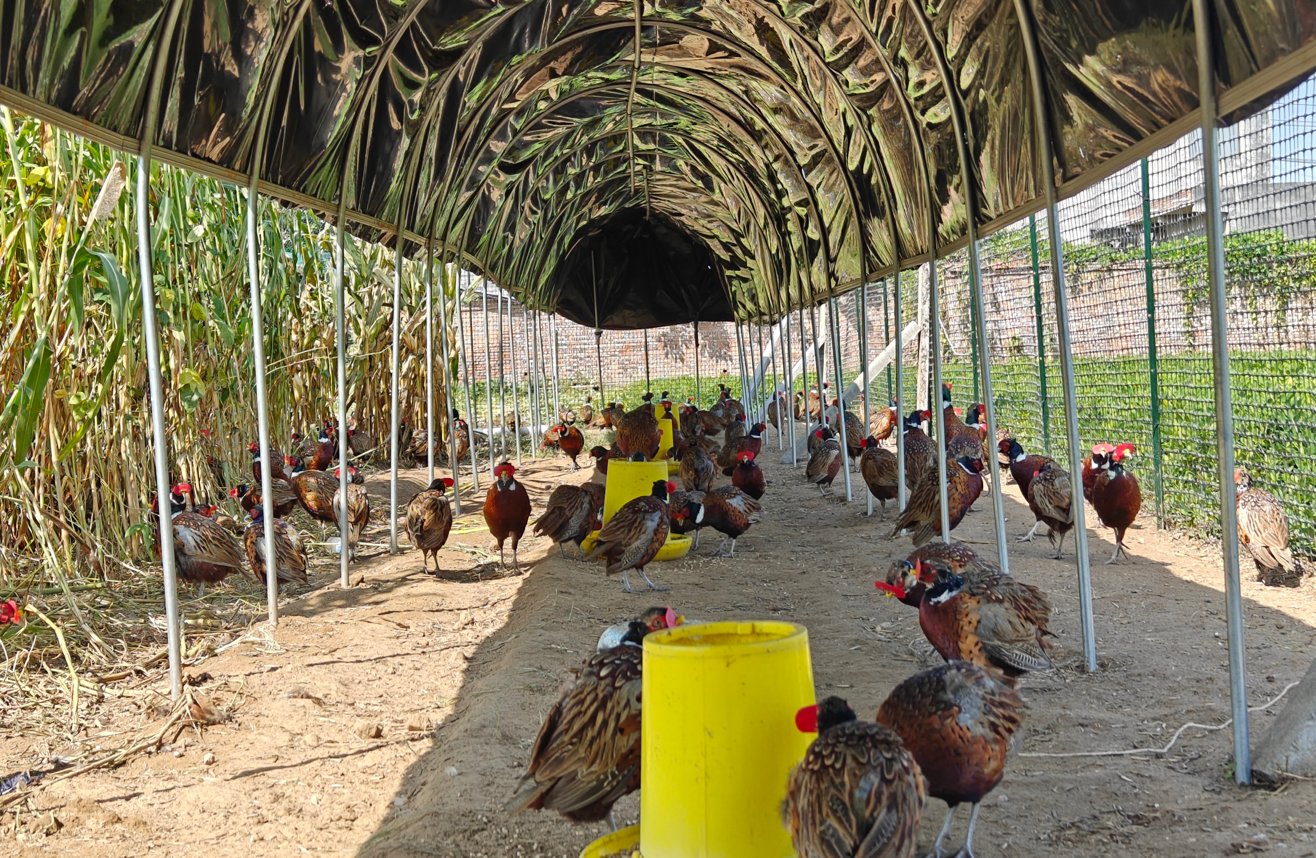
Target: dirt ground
{"x":394,"y":718}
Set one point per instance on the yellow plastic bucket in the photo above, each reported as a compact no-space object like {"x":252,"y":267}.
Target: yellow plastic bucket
{"x":622,"y":842}
{"x":719,"y":738}
{"x":666,"y":443}
{"x":627,"y":481}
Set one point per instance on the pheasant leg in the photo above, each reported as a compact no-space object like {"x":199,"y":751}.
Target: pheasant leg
{"x":626,"y":582}
{"x":1061,"y":549}
{"x":201,"y":590}
{"x":1116,"y":554}
{"x":612,"y":820}
{"x":1032,"y":534}
{"x":967,"y":850}
{"x":945,"y":829}
{"x":652,"y":586}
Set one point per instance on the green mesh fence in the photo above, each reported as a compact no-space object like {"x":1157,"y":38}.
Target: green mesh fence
{"x":1139,"y":317}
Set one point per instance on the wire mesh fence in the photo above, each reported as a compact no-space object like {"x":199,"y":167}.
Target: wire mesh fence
{"x":1136,"y":280}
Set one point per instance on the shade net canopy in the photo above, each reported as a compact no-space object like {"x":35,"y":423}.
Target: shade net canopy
{"x":728,"y":158}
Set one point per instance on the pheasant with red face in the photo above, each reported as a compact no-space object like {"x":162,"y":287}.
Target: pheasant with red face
{"x":882,"y":422}
{"x":632,"y":537}
{"x":204,"y":552}
{"x":747,"y":475}
{"x":1093,"y":466}
{"x":956,"y":555}
{"x":322,"y":455}
{"x":922,"y":513}
{"x":429,"y":520}
{"x":857,"y":792}
{"x":276,"y":467}
{"x":506,"y":511}
{"x":958,"y":722}
{"x":978,"y":614}
{"x":249,"y":497}
{"x":1117,"y":497}
{"x":1022,"y":468}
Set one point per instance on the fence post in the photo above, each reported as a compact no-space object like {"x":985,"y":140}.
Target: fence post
{"x":1153,"y":368}
{"x":1224,"y":413}
{"x":861,"y":320}
{"x":1041,"y":337}
{"x":834,"y":320}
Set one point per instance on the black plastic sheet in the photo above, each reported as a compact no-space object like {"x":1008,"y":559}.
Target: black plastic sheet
{"x":798,"y":146}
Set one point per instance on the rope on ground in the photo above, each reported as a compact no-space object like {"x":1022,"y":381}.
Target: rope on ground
{"x":1173,"y":739}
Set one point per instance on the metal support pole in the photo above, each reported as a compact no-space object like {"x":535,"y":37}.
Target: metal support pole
{"x":393,"y":396}
{"x":598,"y":357}
{"x":784,"y":325}
{"x":745,"y":393}
{"x":699,"y":399}
{"x":1224,"y":410}
{"x":502,"y":374}
{"x":464,"y":347}
{"x":775,"y":339}
{"x":761,"y":370}
{"x":1044,"y":399}
{"x":163,"y":489}
{"x":340,"y":336}
{"x":834,"y":319}
{"x":453,"y":464}
{"x":804,"y":374}
{"x":488,"y":375}
{"x":516,"y":384}
{"x":988,"y":400}
{"x":151,"y":334}
{"x":861,"y":321}
{"x":648,"y":385}
{"x":938,"y":418}
{"x":1153,"y":366}
{"x":1062,"y":330}
{"x":900,"y":392}
{"x":262,"y":403}
{"x":557,"y":403}
{"x":430,"y":438}
{"x":886,"y":334}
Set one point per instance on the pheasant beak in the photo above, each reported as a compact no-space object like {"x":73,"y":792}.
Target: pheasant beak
{"x":806,"y":719}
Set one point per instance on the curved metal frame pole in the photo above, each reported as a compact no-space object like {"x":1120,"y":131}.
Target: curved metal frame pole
{"x":699,"y":399}
{"x":861,"y":320}
{"x":398,"y":263}
{"x":502,"y":373}
{"x":151,"y":333}
{"x":598,"y":357}
{"x":762,"y":370}
{"x":1062,"y":331}
{"x":531,"y":322}
{"x":901,"y":491}
{"x":451,"y":435}
{"x":784,"y":324}
{"x":740,"y":356}
{"x":804,"y":375}
{"x":340,"y":337}
{"x":516,"y":384}
{"x":934,"y":345}
{"x":648,"y":385}
{"x":262,"y":401}
{"x":552,"y":324}
{"x":488,"y":375}
{"x":834,"y":317}
{"x":429,"y":361}
{"x":975,"y":296}
{"x":774,"y":339}
{"x":464,"y":346}
{"x":1224,"y":413}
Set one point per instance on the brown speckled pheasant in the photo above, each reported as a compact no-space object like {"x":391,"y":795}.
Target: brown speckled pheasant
{"x":632,"y":537}
{"x":1263,"y":527}
{"x":957,"y":721}
{"x":857,"y":792}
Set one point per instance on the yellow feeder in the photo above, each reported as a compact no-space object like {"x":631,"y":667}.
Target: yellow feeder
{"x":673,"y":466}
{"x":630,"y":480}
{"x":719,"y":739}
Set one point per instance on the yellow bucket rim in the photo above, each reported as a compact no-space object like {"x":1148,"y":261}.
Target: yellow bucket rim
{"x":623,"y":840}
{"x":672,"y":642}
